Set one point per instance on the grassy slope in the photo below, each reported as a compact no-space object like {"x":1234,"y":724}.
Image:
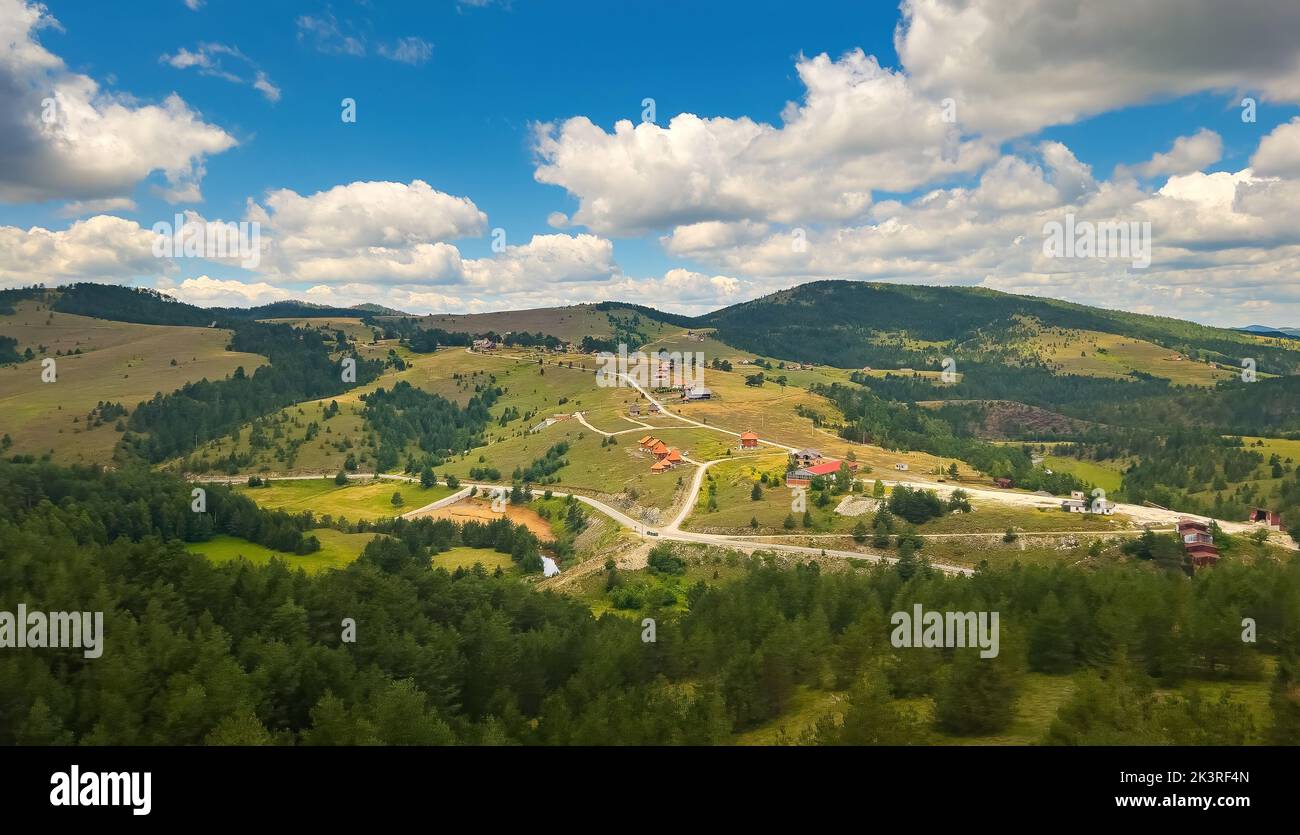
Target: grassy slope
{"x":355,"y":501}
{"x":337,"y":550}
{"x":120,"y":362}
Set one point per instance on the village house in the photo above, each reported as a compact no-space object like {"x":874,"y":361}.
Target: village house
{"x":748,"y":440}
{"x":803,"y":476}
{"x":806,"y":457}
{"x":901,"y":467}
{"x":667,"y":461}
{"x":1003,"y":482}
{"x":1198,"y":543}
{"x":484,"y":345}
{"x":696,"y":393}
{"x":1073,"y":505}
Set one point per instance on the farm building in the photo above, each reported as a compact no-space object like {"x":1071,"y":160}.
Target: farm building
{"x":697,"y":393}
{"x":1269,"y":518}
{"x":901,"y":467}
{"x":1074,"y":506}
{"x":749,"y":440}
{"x":1004,"y":482}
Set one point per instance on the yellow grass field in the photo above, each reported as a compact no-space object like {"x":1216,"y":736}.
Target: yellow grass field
{"x":120,"y":363}
{"x":1094,"y":354}
{"x":355,"y":501}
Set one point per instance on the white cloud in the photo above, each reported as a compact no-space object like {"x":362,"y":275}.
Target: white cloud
{"x":373,"y":231}
{"x":101,"y":248}
{"x":859,"y":128}
{"x":1014,"y":66}
{"x":61,"y":136}
{"x":80,"y":208}
{"x":544,"y":260}
{"x":326,"y":36}
{"x":1279,"y":152}
{"x":1188,"y":154}
{"x":412,"y":50}
{"x":208,"y":59}
{"x":212,"y":292}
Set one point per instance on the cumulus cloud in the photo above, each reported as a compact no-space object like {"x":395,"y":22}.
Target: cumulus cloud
{"x":213,"y":292}
{"x":1278,"y":154}
{"x":61,"y":136}
{"x":1014,"y":66}
{"x":859,"y":128}
{"x":1189,"y":153}
{"x":376,"y":231}
{"x":101,"y":248}
{"x":210,"y":59}
{"x":545,"y":260}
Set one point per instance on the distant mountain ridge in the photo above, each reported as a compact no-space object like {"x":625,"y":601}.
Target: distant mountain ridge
{"x":1267,"y":330}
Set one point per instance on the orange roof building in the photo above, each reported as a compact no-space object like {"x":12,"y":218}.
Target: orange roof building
{"x":660,"y":466}
{"x":673,"y":457}
{"x":749,"y":440}
{"x":660,"y":449}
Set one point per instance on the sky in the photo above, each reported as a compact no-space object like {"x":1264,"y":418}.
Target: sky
{"x":444,"y":156}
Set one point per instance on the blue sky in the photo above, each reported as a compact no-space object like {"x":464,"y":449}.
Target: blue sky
{"x":1056,"y":114}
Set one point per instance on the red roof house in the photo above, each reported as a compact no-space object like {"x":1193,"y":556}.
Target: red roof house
{"x":749,"y":440}
{"x":1198,"y":542}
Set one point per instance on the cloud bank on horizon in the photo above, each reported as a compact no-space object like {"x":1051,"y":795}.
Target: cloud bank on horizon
{"x":945,"y":167}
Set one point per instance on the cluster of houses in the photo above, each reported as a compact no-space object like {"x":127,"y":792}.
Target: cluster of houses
{"x":1078,"y":503}
{"x":666,"y":457}
{"x":810,"y":464}
{"x":485,"y":345}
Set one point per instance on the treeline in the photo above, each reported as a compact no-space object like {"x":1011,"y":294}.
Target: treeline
{"x":137,"y":503}
{"x":301,"y":368}
{"x":241,"y":654}
{"x":406,"y":414}
{"x":840,"y":323}
{"x":524,"y":339}
{"x":542,"y":470}
{"x":870,"y":419}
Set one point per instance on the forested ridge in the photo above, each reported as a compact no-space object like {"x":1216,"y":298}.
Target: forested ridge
{"x":839,"y":322}
{"x":235,"y":653}
{"x":301,"y":367}
{"x":405,"y":414}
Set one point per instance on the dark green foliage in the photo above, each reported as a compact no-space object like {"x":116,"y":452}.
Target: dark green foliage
{"x":438,"y":426}
{"x":301,"y":369}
